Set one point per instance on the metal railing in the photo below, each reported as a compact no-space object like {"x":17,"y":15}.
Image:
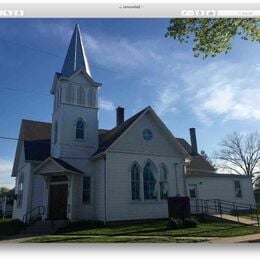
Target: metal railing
{"x":220,"y":207}
{"x":34,"y":214}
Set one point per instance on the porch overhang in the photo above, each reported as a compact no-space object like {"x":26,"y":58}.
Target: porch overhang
{"x":54,"y":166}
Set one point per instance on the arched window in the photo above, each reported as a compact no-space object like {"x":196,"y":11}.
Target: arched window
{"x":81,"y":96}
{"x":149,"y":182}
{"x":80,"y":129}
{"x":163,"y":178}
{"x":135,"y":182}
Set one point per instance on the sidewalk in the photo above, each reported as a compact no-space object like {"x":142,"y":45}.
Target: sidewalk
{"x":238,"y":239}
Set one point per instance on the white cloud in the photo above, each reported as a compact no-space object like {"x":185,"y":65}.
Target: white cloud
{"x":120,"y":53}
{"x":5,"y":173}
{"x":223,"y":91}
{"x":257,"y":67}
{"x":166,"y":101}
{"x":106,"y":104}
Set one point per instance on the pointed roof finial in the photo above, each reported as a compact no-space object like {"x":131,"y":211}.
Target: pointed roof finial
{"x":76,"y":58}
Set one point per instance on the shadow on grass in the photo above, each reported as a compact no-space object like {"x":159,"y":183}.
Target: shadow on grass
{"x":105,"y":239}
{"x":188,"y":232}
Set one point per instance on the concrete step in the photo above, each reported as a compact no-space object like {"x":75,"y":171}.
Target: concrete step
{"x":44,"y":227}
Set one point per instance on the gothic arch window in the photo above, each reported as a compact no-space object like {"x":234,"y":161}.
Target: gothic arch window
{"x":149,"y":181}
{"x":163,"y":181}
{"x":81,"y":96}
{"x":135,"y":181}
{"x":80,"y":129}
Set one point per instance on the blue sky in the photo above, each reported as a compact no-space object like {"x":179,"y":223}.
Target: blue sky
{"x":138,"y":67}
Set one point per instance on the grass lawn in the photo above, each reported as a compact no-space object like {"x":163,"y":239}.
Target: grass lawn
{"x":10,"y":227}
{"x":153,"y":231}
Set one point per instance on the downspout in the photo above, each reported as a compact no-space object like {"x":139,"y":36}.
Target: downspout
{"x":184,"y":179}
{"x":176,"y":180}
{"x":105,"y":190}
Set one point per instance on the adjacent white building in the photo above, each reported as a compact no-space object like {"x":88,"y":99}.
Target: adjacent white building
{"x":71,"y":169}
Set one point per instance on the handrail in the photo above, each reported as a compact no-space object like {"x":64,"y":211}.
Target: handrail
{"x":232,"y":202}
{"x":225,"y":207}
{"x":29,"y":216}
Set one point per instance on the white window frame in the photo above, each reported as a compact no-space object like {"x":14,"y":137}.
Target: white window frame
{"x":195,"y":186}
{"x":240,"y":188}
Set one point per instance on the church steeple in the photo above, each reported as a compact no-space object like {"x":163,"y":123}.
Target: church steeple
{"x":76,"y":58}
{"x":75,"y":114}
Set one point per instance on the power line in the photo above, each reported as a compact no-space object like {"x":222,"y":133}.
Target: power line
{"x":24,"y":91}
{"x":19,"y":139}
{"x":50,"y":53}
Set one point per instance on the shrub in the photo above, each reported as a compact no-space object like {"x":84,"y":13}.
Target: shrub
{"x":10,"y":227}
{"x":189,"y":223}
{"x":179,"y":223}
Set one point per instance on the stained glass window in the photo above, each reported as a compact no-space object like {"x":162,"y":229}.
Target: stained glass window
{"x":163,"y":182}
{"x":149,"y":182}
{"x":135,"y":182}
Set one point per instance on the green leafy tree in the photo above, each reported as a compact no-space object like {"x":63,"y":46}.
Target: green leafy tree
{"x":213,"y":36}
{"x":3,"y":189}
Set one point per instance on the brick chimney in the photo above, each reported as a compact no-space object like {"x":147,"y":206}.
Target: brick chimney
{"x":120,"y":116}
{"x":193,"y":141}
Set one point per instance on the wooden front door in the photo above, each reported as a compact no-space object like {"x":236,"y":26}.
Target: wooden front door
{"x":58,"y":201}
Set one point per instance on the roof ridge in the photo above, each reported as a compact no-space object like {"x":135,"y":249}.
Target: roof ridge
{"x":131,"y":118}
{"x":35,"y":121}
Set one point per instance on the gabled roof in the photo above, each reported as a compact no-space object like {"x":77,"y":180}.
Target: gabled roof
{"x":76,"y":58}
{"x":197,"y":162}
{"x":66,"y":165}
{"x":35,"y":130}
{"x":61,"y":167}
{"x":36,"y":136}
{"x":108,"y":137}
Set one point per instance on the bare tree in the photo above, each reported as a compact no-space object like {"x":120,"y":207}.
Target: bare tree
{"x":240,"y":154}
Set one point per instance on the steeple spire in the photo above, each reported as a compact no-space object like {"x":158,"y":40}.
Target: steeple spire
{"x":76,"y":58}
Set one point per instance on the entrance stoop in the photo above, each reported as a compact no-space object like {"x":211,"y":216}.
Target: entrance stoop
{"x":44,"y":227}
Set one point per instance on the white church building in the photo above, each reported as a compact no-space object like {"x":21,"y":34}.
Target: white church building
{"x":71,"y":169}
